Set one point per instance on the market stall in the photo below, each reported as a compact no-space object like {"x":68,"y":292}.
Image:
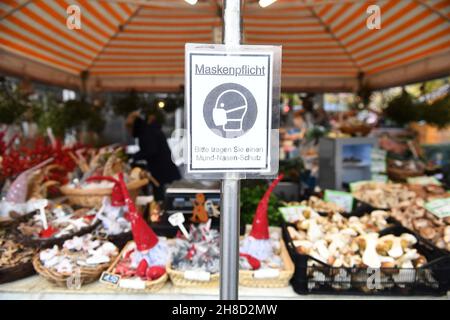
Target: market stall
{"x":121,"y":45}
{"x":353,"y":211}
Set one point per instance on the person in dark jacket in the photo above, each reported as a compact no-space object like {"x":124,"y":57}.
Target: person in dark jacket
{"x":154,"y":150}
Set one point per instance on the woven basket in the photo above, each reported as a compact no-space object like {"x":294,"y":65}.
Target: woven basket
{"x":12,"y":222}
{"x":247,"y":279}
{"x":400,"y":174}
{"x":20,"y":271}
{"x":150,"y":286}
{"x":356,"y":130}
{"x":87,"y":274}
{"x":178,"y":279}
{"x":92,"y":197}
{"x":50,"y":242}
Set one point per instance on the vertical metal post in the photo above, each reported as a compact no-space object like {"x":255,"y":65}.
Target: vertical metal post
{"x":230,"y":205}
{"x":229,"y":244}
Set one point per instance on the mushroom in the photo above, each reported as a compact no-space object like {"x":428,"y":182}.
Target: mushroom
{"x":314,"y":232}
{"x":370,"y":256}
{"x":321,"y":251}
{"x":405,"y":261}
{"x":428,"y":233}
{"x":294,"y":234}
{"x":407,"y":240}
{"x":393,"y":245}
{"x":303,"y":246}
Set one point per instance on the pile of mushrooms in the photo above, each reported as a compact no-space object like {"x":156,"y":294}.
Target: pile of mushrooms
{"x":353,"y":242}
{"x":384,"y":195}
{"x":428,"y":192}
{"x":318,"y":205}
{"x":415,"y":217}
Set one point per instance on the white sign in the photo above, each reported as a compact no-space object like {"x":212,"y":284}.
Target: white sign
{"x":229,"y":109}
{"x":177,"y":219}
{"x":197,"y":275}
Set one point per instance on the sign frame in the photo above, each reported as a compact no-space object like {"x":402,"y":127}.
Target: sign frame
{"x":272,"y":118}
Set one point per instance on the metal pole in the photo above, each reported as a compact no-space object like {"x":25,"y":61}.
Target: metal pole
{"x":230,"y":205}
{"x":229,"y":244}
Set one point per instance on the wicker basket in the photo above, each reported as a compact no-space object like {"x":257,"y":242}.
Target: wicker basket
{"x":356,"y":130}
{"x":247,"y":279}
{"x":150,"y":286}
{"x":400,"y":174}
{"x":50,"y":242}
{"x":179,"y":280}
{"x":20,"y":271}
{"x":12,"y":222}
{"x":92,"y":197}
{"x":87,"y":274}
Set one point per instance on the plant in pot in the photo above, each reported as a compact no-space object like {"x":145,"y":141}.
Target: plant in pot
{"x":251,"y":193}
{"x":403,"y":109}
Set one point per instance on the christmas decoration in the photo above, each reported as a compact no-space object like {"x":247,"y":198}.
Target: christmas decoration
{"x":258,"y":243}
{"x":151,"y":254}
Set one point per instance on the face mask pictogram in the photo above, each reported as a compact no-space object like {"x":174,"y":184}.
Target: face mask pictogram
{"x":230,"y":109}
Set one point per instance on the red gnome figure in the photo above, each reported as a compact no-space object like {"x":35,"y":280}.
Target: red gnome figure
{"x":151,"y":254}
{"x":112,"y":211}
{"x":257,"y":246}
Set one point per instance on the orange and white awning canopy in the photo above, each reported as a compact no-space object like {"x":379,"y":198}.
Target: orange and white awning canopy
{"x":124,"y":44}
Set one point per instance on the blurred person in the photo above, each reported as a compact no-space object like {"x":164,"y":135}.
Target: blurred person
{"x":154,"y":150}
{"x":294,"y":136}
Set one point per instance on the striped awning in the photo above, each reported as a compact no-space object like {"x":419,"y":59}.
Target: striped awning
{"x":124,"y":44}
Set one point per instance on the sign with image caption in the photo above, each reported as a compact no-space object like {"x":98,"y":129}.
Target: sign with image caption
{"x":342,"y":199}
{"x":229,"y":109}
{"x":439,"y":207}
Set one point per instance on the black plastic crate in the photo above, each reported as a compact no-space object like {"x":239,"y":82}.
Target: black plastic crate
{"x":417,"y":235}
{"x":430,"y":279}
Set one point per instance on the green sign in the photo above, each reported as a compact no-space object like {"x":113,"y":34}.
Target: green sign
{"x":379,"y":177}
{"x":423,"y":180}
{"x":439,"y":207}
{"x":342,"y":199}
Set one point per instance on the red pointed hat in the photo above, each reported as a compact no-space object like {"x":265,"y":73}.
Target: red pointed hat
{"x":260,"y":226}
{"x":144,"y":236}
{"x":117,"y":199}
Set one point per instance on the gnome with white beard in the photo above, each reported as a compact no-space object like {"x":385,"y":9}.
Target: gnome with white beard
{"x":257,"y":247}
{"x":111,"y":214}
{"x":151,"y":254}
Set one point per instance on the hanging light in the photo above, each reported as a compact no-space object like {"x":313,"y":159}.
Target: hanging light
{"x":161,"y":104}
{"x":191,"y":2}
{"x":266,"y":3}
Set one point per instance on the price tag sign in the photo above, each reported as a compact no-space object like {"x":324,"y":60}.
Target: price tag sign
{"x":132,"y":284}
{"x":197,"y":275}
{"x":266,"y":273}
{"x":424,"y":180}
{"x":110,"y":278}
{"x":439,"y":207}
{"x":229,"y":109}
{"x":342,"y":199}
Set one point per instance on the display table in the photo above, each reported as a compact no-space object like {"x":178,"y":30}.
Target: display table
{"x":37,"y":288}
